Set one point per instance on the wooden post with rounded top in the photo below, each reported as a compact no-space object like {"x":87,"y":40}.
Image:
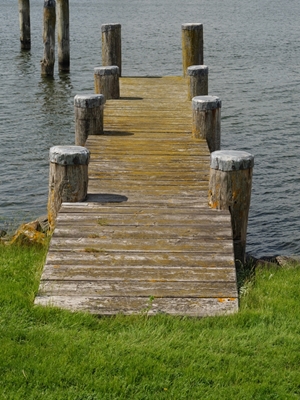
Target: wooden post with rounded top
{"x":88,"y":116}
{"x":198,"y":81}
{"x":24,"y":21}
{"x":230,"y":189}
{"x":111,"y":45}
{"x":63,"y":35}
{"x":206,"y":120}
{"x":192,"y":45}
{"x":106,"y":80}
{"x":47,"y":63}
{"x":68,"y":177}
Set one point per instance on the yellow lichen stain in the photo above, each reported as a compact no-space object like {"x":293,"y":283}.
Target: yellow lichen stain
{"x":221,"y":300}
{"x":92,"y":250}
{"x":56,"y":266}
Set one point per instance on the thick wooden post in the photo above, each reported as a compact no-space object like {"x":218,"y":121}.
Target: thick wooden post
{"x":192,"y":45}
{"x":47,"y":63}
{"x":63,"y":35}
{"x":230,"y":188}
{"x":24,"y":21}
{"x":111,"y":45}
{"x":88,"y":116}
{"x":68,"y":177}
{"x":206,"y":123}
{"x":106,"y":81}
{"x":198,"y":81}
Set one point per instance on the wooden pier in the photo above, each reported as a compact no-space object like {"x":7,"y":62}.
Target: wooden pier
{"x":145,"y":239}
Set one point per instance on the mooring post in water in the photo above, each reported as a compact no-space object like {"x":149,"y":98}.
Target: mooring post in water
{"x":111,"y":45}
{"x":88,"y":116}
{"x":63,"y":35}
{"x":206,"y":120}
{"x":24,"y":21}
{"x":106,"y":80}
{"x":47,"y":63}
{"x":68,"y":177}
{"x":192,"y":45}
{"x":230,"y":188}
{"x":198,"y":81}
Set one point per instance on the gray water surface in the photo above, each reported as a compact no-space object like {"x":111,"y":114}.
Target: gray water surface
{"x":252,"y":50}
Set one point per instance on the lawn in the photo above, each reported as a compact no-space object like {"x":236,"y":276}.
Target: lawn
{"x":48,"y":353}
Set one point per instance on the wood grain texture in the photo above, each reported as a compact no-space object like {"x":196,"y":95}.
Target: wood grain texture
{"x":145,"y":231}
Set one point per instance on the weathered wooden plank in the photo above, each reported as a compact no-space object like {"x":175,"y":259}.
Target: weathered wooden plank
{"x":213,"y":289}
{"x":134,"y":258}
{"x":136,"y":273}
{"x":194,"y":307}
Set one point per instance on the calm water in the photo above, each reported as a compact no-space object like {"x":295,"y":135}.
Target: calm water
{"x":253,"y":53}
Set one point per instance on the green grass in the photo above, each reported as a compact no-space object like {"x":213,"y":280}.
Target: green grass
{"x":48,"y":353}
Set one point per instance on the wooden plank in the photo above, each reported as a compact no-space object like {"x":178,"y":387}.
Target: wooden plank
{"x":136,"y":273}
{"x":212,"y":289}
{"x":194,"y":307}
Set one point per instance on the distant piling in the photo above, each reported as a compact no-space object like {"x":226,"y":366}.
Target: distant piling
{"x":230,"y":189}
{"x":68,"y":177}
{"x":106,"y":81}
{"x":111,"y":45}
{"x":63,"y":35}
{"x":206,"y":120}
{"x":49,"y":21}
{"x":88,"y":116}
{"x":198,"y":81}
{"x":24,"y":21}
{"x":192,"y":45}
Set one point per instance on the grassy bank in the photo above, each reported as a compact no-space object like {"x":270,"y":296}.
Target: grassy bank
{"x":52,"y":354}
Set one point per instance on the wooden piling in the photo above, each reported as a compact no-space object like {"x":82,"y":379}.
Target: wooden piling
{"x":47,"y":63}
{"x":68,"y":177}
{"x":198,"y":81}
{"x":206,"y":122}
{"x":106,"y":81}
{"x":24,"y":21}
{"x":230,"y":189}
{"x":88,"y":116}
{"x":63,"y":35}
{"x":192,"y":45}
{"x":111,"y":45}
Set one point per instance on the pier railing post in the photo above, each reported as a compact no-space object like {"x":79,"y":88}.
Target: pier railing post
{"x":63,"y":35}
{"x":47,"y":63}
{"x":111,"y":45}
{"x":206,"y":122}
{"x":192,"y":45}
{"x":88,"y":116}
{"x":198,"y":81}
{"x":68,"y":177}
{"x":24,"y":21}
{"x":230,"y":188}
{"x":106,"y":80}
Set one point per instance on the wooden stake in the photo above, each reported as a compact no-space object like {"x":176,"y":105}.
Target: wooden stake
{"x":47,"y":63}
{"x":63,"y":35}
{"x":68,"y":177}
{"x":24,"y":20}
{"x":111,"y":45}
{"x":198,"y":81}
{"x":230,"y":189}
{"x":192,"y":45}
{"x":107,"y":82}
{"x":206,"y":122}
{"x":88,"y":116}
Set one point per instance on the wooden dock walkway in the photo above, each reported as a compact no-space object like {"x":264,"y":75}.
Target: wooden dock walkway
{"x":145,"y":239}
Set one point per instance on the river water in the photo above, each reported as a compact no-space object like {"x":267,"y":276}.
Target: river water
{"x":252,"y":49}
